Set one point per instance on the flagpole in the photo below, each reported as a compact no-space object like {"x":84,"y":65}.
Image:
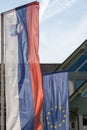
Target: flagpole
{"x":2,"y":74}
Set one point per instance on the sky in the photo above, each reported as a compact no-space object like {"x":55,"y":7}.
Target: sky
{"x":63,"y":27}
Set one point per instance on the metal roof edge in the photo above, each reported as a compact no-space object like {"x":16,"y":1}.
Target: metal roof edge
{"x":79,"y":90}
{"x":73,"y":57}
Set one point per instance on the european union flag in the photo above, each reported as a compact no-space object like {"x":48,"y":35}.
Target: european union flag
{"x":56,"y":101}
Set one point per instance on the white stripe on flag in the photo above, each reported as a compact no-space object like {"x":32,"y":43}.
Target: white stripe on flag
{"x":11,"y":74}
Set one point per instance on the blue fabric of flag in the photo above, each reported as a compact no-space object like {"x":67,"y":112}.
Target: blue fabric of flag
{"x":26,"y":106}
{"x":56,"y":101}
{"x":24,"y":93}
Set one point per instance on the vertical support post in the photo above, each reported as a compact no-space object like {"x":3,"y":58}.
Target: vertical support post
{"x":80,"y":122}
{"x":2,"y":73}
{"x":76,"y":124}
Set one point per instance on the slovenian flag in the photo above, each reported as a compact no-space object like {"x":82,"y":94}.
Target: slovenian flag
{"x":24,"y":94}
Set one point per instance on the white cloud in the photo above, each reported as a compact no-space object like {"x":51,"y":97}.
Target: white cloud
{"x":54,"y":7}
{"x":43,"y":6}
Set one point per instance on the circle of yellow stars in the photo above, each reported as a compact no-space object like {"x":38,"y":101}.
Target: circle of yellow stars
{"x":59,"y":124}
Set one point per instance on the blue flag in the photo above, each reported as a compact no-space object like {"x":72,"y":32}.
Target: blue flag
{"x":56,"y":101}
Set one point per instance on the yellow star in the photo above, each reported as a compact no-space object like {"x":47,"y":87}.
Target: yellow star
{"x":60,"y":108}
{"x":55,"y":127}
{"x":65,"y":115}
{"x":63,"y":121}
{"x":55,"y":107}
{"x":48,"y":123}
{"x":48,"y":113}
{"x":51,"y":126}
{"x":51,"y":108}
{"x":47,"y":118}
{"x":60,"y":125}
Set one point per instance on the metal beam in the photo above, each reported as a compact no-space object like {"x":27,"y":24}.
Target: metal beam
{"x":79,"y":91}
{"x":73,"y":57}
{"x":78,"y":75}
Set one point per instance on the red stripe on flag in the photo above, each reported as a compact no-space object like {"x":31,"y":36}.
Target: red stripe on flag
{"x":33,"y":59}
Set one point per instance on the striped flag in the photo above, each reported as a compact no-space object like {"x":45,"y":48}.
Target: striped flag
{"x":24,"y":94}
{"x":56,"y":101}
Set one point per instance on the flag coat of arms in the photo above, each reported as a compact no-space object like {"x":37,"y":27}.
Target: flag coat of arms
{"x":24,"y":94}
{"x":56,"y":101}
